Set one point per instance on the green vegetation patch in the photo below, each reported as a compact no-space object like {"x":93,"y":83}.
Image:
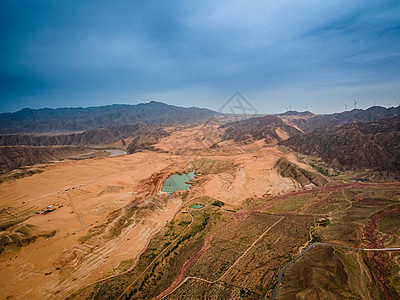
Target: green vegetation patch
{"x":218,"y":203}
{"x":389,"y":223}
{"x":290,"y":204}
{"x":322,"y":223}
{"x":324,"y":171}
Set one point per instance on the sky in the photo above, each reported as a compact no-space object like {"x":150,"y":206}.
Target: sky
{"x":277,"y":54}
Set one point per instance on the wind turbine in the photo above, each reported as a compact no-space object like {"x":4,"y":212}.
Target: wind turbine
{"x":345,"y":107}
{"x":355,"y":103}
{"x":289,"y":108}
{"x":306,"y":107}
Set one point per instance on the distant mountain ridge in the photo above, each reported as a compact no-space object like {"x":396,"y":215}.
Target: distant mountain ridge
{"x":309,"y":122}
{"x":355,"y":146}
{"x":93,"y":137}
{"x":352,"y":140}
{"x":31,"y":121}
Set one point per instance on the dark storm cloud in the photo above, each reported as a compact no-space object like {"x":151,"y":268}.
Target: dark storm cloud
{"x":68,"y":53}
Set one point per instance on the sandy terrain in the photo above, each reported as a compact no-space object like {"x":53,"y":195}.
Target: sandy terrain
{"x":24,"y":276}
{"x":202,"y":136}
{"x":86,"y":192}
{"x":254,"y":178}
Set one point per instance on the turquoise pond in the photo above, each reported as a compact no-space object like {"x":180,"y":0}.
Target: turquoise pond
{"x":177,"y":182}
{"x":196,"y":206}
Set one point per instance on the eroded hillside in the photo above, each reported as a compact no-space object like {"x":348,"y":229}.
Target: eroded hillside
{"x":356,"y":146}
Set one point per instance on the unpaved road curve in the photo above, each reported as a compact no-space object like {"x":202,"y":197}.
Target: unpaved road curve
{"x":321,"y":244}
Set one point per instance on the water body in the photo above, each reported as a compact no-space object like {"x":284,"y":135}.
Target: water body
{"x":177,"y":182}
{"x":196,"y":206}
{"x":116,"y":152}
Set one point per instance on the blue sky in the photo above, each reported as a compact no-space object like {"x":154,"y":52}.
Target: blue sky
{"x":199,"y":53}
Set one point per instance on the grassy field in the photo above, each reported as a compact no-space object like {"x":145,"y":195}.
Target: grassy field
{"x":389,"y":223}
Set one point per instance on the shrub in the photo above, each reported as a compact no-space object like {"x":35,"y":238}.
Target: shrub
{"x":218,"y":203}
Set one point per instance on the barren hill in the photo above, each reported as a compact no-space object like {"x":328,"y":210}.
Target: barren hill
{"x":302,"y":176}
{"x":12,"y":157}
{"x":358,"y":146}
{"x":308,"y":122}
{"x":270,"y":128}
{"x":100,"y":136}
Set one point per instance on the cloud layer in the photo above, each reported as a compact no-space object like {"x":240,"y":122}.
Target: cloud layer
{"x":198,"y":53}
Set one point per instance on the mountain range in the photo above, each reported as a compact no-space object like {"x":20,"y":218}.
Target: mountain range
{"x":355,"y":139}
{"x":352,"y":140}
{"x":354,"y":146}
{"x":34,"y":121}
{"x":92,"y":137}
{"x":307,"y":121}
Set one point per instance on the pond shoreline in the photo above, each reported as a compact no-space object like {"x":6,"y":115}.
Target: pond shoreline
{"x":179,"y":181}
